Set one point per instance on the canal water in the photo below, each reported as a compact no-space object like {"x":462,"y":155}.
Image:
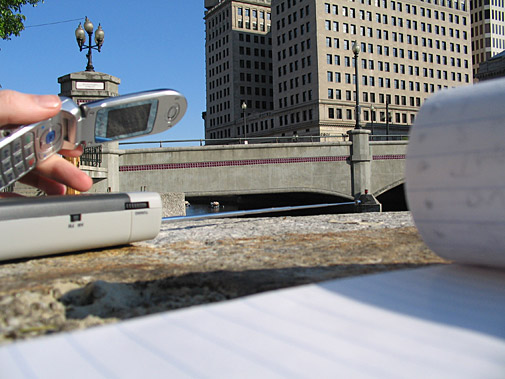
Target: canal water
{"x":196,"y":209}
{"x":393,"y":200}
{"x":300,"y":210}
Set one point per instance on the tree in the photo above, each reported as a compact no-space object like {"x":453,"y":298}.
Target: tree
{"x":11,"y":19}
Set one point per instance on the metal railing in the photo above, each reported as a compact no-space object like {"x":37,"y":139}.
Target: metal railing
{"x":257,"y":140}
{"x":92,"y":156}
{"x":9,"y":188}
{"x":242,"y":140}
{"x":390,"y":137}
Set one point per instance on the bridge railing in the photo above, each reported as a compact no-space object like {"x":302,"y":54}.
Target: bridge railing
{"x":390,"y":137}
{"x":92,"y":156}
{"x":242,"y":140}
{"x":255,"y":140}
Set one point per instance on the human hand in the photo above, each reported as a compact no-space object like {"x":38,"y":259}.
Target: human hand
{"x":55,"y":173}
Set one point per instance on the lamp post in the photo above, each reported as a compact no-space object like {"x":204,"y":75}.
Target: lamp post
{"x":387,"y":119}
{"x":244,"y":107}
{"x":355,"y":50}
{"x":372,"y":115}
{"x":80,"y":36}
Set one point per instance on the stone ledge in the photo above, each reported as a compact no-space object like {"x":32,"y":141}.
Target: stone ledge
{"x":222,"y":259}
{"x":173,"y":204}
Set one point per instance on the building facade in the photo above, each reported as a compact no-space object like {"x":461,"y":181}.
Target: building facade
{"x":408,"y":50}
{"x":488,"y":30}
{"x":238,"y":65}
{"x":492,"y":68}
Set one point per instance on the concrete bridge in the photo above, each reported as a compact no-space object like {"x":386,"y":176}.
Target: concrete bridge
{"x":344,"y":169}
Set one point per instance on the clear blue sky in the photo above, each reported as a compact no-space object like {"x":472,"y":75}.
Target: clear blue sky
{"x":148,"y":44}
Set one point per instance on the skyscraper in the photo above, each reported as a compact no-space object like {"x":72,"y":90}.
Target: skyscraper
{"x":488,"y":30}
{"x":239,"y":64}
{"x":408,"y":50}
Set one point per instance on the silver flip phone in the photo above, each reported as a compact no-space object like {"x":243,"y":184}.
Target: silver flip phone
{"x":115,"y":118}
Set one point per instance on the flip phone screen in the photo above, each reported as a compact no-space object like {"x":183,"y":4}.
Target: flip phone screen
{"x":122,"y":117}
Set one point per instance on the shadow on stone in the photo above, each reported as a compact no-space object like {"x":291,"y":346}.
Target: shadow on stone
{"x":126,"y":300}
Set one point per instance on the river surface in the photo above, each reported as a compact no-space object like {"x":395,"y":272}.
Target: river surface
{"x":200,"y":209}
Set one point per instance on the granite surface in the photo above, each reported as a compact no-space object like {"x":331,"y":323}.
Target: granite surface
{"x":173,"y":204}
{"x":196,"y":262}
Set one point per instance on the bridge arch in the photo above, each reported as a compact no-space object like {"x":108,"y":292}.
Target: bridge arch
{"x":389,"y":187}
{"x":393,"y":198}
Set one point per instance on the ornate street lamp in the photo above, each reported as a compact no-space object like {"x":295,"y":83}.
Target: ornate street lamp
{"x":80,"y":36}
{"x":355,"y":50}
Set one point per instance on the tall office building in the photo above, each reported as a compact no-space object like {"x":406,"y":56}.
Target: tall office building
{"x":488,"y":30}
{"x":408,"y":50}
{"x":239,"y":65}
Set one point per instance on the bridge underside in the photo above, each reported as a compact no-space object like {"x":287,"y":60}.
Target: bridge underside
{"x":394,"y":199}
{"x":391,"y":200}
{"x":251,"y":201}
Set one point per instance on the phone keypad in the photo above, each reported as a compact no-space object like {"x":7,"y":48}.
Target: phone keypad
{"x":17,"y":158}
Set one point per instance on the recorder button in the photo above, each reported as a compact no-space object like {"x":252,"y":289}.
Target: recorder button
{"x":173,"y":112}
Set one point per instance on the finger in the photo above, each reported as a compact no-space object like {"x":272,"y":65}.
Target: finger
{"x":49,"y":186}
{"x":77,"y":152}
{"x":60,"y":170}
{"x":19,"y":108}
{"x":4,"y":195}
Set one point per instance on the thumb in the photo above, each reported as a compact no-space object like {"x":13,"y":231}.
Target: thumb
{"x":17,"y":108}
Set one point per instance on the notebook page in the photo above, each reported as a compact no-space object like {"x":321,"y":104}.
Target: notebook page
{"x":444,"y":321}
{"x":455,"y":173}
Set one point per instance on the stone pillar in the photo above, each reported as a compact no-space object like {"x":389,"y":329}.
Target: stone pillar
{"x":110,"y":154}
{"x":86,"y":86}
{"x":361,"y":174}
{"x":360,"y":161}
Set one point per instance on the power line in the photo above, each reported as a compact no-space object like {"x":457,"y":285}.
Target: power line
{"x":53,"y":23}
